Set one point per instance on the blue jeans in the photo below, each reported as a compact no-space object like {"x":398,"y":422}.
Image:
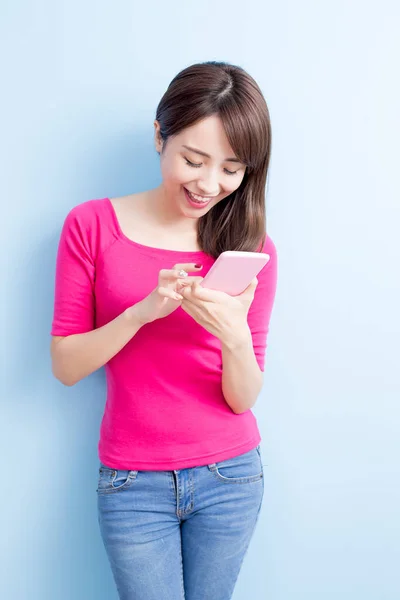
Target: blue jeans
{"x":174,"y":535}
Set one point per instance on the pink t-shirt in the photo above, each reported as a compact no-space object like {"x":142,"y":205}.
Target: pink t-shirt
{"x":165,"y":408}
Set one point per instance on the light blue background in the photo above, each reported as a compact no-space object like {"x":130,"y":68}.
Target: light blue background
{"x":81,"y":82}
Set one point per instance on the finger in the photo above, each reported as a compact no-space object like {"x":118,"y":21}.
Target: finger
{"x":190,"y":279}
{"x":248,"y":294}
{"x":206,"y":294}
{"x":190,"y":295}
{"x":168,"y":293}
{"x":189,"y":267}
{"x":251,"y":287}
{"x":185,"y":290}
{"x":187,"y":282}
{"x":180,"y":267}
{"x":173,"y":274}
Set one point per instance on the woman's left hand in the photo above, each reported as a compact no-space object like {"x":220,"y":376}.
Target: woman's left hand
{"x":219,"y":313}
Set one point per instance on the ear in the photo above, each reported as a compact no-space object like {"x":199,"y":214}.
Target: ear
{"x":157,"y":137}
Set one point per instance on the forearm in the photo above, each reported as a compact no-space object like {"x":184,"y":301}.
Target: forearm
{"x":242,"y":378}
{"x":77,"y":356}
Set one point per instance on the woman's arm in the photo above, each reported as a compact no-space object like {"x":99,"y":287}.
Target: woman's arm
{"x":77,"y":347}
{"x":244,"y":355}
{"x":242,"y":378}
{"x":241,"y":323}
{"x":226,"y":318}
{"x":76,"y":356}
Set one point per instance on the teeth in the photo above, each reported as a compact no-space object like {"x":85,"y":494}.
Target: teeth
{"x":198,"y":198}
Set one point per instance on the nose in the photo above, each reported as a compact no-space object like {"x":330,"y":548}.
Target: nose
{"x":207,"y":191}
{"x":209,"y":185}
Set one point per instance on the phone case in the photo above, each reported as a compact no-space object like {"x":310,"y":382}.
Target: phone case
{"x":233,"y":271}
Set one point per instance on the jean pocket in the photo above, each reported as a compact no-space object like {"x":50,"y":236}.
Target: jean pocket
{"x":244,"y":468}
{"x":114,"y":480}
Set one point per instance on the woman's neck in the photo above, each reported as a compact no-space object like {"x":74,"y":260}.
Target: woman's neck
{"x":164,"y":213}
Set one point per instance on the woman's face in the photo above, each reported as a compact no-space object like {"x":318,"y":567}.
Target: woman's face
{"x":212,"y":177}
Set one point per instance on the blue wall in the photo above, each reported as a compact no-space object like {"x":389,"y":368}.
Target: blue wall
{"x":81,"y":82}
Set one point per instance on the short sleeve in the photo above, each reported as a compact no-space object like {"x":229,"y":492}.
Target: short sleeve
{"x":260,"y":311}
{"x":74,"y":301}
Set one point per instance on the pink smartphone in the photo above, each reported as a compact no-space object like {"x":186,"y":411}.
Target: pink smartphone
{"x":233,"y":271}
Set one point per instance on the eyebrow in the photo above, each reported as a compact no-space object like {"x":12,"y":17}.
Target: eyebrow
{"x":235,"y":160}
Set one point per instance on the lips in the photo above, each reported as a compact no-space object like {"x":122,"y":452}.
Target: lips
{"x":207,"y":199}
{"x":194,"y":203}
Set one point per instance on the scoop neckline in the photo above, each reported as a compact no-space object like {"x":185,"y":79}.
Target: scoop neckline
{"x":152,"y":250}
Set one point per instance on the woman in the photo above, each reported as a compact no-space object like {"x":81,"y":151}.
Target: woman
{"x":181,"y":479}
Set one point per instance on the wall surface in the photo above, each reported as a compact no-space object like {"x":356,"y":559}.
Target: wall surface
{"x":80,"y":84}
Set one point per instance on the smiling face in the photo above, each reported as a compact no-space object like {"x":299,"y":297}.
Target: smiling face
{"x":186,"y":168}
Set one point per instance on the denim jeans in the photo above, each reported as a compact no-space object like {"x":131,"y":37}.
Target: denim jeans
{"x":174,"y":535}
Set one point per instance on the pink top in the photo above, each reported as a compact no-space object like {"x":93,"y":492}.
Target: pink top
{"x":165,"y":408}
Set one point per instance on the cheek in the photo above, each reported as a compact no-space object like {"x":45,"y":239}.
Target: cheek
{"x":175,"y":172}
{"x":231,"y":186}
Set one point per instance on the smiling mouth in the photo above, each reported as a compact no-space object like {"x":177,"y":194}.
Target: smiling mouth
{"x":196,"y":199}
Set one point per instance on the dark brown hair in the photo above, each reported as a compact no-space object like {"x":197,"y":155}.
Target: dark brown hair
{"x":218,"y":88}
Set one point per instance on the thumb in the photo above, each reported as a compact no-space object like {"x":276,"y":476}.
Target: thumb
{"x":251,"y":288}
{"x":252,"y":285}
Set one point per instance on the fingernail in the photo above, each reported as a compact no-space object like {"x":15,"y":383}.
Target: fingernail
{"x":198,"y":266}
{"x":178,"y":297}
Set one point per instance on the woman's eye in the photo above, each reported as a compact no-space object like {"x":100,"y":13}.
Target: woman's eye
{"x":192,"y":164}
{"x":196,"y":166}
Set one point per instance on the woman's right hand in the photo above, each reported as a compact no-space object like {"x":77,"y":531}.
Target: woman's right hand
{"x":165,"y":298}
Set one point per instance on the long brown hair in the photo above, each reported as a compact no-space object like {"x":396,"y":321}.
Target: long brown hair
{"x":218,"y":88}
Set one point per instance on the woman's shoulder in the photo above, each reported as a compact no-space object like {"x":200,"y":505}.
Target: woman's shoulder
{"x":91,"y":224}
{"x":89,"y":211}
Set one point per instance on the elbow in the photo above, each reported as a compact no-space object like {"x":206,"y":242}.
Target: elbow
{"x":240,"y":411}
{"x":63,"y":378}
{"x":59,"y":366}
{"x":238,"y":408}
{"x":61,"y":374}
{"x":67,"y":383}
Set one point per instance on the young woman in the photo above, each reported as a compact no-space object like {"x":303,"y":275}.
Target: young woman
{"x":181,"y":477}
